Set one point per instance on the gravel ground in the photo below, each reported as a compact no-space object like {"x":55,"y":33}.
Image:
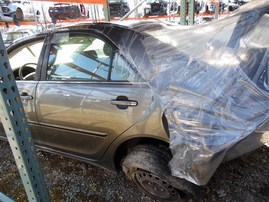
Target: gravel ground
{"x":244,"y":179}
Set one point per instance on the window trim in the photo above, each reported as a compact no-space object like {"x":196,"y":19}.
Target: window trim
{"x":134,"y":69}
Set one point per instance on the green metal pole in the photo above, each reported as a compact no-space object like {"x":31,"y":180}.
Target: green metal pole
{"x":191,"y":12}
{"x":18,"y":132}
{"x":217,"y":7}
{"x":106,"y":11}
{"x":183,"y":12}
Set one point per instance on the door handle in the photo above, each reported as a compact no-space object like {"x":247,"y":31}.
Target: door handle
{"x":131,"y":103}
{"x":25,"y":96}
{"x":122,"y":102}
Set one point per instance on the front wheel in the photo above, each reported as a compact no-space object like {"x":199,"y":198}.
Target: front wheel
{"x":147,"y":167}
{"x":19,"y":15}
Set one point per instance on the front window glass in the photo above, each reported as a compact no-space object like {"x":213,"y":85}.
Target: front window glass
{"x":24,"y":59}
{"x":79,"y":57}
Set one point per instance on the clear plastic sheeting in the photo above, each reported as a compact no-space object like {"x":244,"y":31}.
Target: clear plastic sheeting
{"x":212,"y":81}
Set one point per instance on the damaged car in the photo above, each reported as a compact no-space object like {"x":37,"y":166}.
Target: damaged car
{"x":134,"y":96}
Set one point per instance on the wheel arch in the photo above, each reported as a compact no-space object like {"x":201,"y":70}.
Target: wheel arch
{"x":147,"y":166}
{"x":19,"y":8}
{"x":126,"y":146}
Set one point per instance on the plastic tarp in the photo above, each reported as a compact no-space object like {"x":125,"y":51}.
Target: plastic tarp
{"x":212,"y":82}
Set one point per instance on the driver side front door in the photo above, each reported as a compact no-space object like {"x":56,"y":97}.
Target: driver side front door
{"x":25,"y":61}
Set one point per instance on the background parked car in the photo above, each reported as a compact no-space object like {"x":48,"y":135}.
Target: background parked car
{"x":66,"y":11}
{"x":118,"y":8}
{"x":5,"y":19}
{"x":155,"y":8}
{"x":232,"y":5}
{"x":20,"y":10}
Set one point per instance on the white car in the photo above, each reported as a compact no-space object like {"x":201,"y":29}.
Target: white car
{"x":19,"y":10}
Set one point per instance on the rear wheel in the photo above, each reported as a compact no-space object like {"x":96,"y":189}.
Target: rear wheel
{"x":147,"y":167}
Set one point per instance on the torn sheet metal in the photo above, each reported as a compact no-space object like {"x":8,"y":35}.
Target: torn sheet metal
{"x":212,"y":81}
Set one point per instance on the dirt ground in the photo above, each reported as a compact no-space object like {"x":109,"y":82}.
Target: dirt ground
{"x":244,"y":179}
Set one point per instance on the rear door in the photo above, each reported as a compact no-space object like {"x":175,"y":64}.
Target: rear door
{"x":88,"y":96}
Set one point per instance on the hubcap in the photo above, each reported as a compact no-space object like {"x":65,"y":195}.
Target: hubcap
{"x":155,"y":186}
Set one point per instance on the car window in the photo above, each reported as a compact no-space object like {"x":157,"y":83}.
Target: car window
{"x":79,"y":57}
{"x":86,"y":57}
{"x":122,"y":70}
{"x":24,"y":59}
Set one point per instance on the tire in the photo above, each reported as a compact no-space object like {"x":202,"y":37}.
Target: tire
{"x":147,"y":167}
{"x":19,"y":15}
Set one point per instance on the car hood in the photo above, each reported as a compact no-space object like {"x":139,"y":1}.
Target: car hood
{"x":210,"y":80}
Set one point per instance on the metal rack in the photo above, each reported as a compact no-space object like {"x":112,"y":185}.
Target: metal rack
{"x":18,"y":133}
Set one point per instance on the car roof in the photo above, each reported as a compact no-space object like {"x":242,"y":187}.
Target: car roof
{"x":150,"y":25}
{"x":112,"y":30}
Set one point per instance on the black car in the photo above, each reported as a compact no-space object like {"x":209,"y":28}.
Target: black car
{"x":156,"y":8}
{"x":67,"y":11}
{"x":118,"y":8}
